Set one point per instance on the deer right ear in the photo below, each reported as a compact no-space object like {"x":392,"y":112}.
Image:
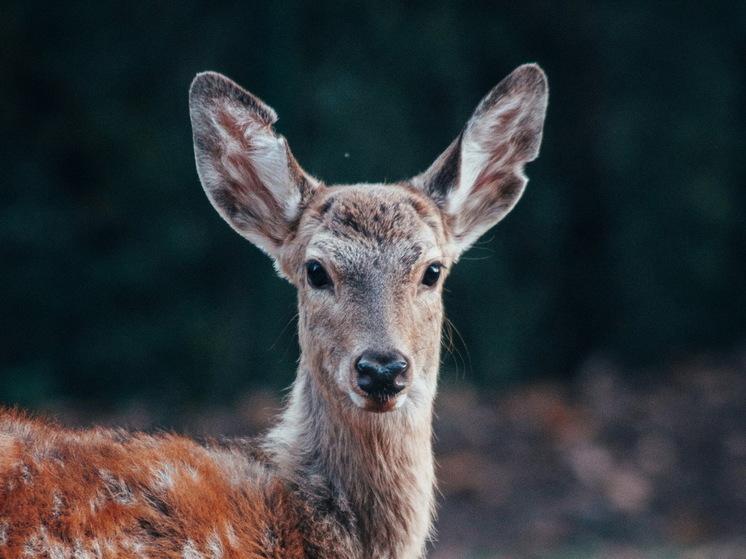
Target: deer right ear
{"x":246,"y":169}
{"x":479,"y":178}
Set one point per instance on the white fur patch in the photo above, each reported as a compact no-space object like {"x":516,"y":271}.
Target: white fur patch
{"x":357,"y":399}
{"x":163,"y":478}
{"x":400,"y":400}
{"x":80,"y":552}
{"x":215,"y":546}
{"x":230,"y":535}
{"x":267,"y":156}
{"x":4,"y":532}
{"x":57,"y":504}
{"x":483,"y":136}
{"x":189,"y":551}
{"x":118,"y":490}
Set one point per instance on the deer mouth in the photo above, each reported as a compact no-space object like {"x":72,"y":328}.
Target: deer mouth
{"x":378,"y":402}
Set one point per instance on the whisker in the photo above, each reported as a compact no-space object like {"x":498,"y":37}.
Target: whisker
{"x":284,"y":329}
{"x":453,"y":349}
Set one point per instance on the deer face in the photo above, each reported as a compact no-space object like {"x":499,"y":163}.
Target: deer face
{"x":368,"y":260}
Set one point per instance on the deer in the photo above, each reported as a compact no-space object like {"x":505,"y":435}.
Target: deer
{"x":347,"y":471}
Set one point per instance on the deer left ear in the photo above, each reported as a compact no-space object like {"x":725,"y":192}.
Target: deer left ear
{"x":479,"y":178}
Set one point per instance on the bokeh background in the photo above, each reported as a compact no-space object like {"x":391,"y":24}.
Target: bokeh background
{"x":593,"y":403}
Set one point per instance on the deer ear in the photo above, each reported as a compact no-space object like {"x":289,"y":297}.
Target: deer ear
{"x":479,"y":178}
{"x":246,"y":169}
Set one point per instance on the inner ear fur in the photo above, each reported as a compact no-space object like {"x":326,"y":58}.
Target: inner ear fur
{"x":246,"y":169}
{"x":479,"y":178}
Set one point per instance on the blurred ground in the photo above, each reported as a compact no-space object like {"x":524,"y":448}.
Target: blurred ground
{"x":619,"y":465}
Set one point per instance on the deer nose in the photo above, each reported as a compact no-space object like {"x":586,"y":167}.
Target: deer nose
{"x":382,"y":375}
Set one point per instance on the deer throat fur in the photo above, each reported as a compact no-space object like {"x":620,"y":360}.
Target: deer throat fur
{"x":366,"y":480}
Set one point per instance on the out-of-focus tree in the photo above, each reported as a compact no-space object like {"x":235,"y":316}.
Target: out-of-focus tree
{"x":117,"y":280}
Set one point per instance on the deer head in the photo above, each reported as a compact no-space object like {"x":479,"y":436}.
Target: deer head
{"x":368,"y":260}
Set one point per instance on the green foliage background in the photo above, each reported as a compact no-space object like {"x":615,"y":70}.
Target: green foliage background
{"x":119,"y":281}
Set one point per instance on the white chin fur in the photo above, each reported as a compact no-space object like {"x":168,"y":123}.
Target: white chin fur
{"x":358,"y":400}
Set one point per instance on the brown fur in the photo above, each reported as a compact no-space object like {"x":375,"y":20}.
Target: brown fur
{"x":115,"y":494}
{"x":342,"y":474}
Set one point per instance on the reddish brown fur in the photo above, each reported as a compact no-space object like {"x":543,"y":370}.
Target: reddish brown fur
{"x":115,"y":494}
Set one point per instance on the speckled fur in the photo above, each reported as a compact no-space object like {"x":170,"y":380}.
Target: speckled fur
{"x":341,"y":475}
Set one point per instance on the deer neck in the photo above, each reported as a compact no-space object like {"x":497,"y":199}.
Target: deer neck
{"x":373,"y":471}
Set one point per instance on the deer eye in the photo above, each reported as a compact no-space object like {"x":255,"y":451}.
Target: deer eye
{"x":432,"y":274}
{"x":317,"y":276}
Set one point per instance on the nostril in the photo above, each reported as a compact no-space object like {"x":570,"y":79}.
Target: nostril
{"x":367,"y":374}
{"x":396,"y":371}
{"x":365,"y":367}
{"x":396,"y":368}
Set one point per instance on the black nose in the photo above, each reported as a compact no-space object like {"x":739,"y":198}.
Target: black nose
{"x":382,"y":375}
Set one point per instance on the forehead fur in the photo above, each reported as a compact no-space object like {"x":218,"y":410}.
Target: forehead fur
{"x":379,"y":214}
{"x":345,"y":221}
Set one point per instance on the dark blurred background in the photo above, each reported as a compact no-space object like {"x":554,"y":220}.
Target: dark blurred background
{"x":120,"y":286}
{"x":119,"y":280}
{"x":595,"y":399}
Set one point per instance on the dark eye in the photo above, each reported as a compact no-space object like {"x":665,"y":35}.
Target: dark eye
{"x":317,"y":276}
{"x":432,"y":274}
